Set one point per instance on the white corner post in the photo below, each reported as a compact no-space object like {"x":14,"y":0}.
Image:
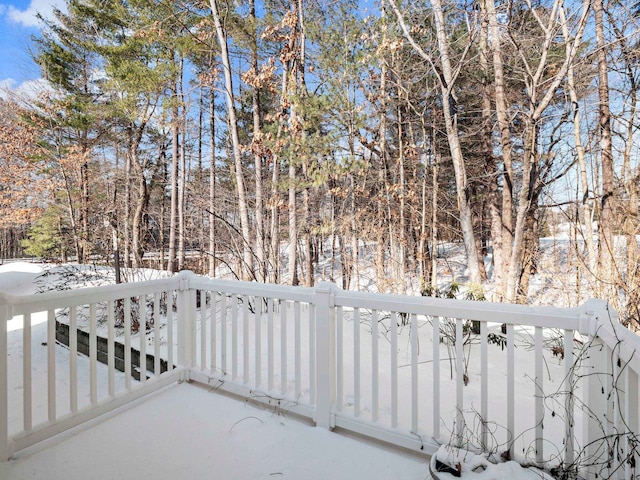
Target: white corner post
{"x":597,"y":370}
{"x":325,"y":354}
{"x":6,"y":444}
{"x":185,"y":321}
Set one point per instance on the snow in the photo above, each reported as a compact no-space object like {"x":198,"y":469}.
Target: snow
{"x":191,"y":432}
{"x":482,"y":467}
{"x":18,"y":278}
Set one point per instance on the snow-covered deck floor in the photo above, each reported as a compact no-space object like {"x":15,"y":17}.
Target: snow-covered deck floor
{"x":189,"y":432}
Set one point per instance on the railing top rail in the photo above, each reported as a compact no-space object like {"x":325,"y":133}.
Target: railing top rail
{"x":268,"y":290}
{"x":593,"y":318}
{"x":551,"y":317}
{"x":22,"y":304}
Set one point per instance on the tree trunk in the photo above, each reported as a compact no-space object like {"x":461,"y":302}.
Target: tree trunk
{"x":84,"y":181}
{"x":530,"y":253}
{"x":261,"y":273}
{"x":434,"y":220}
{"x":212,"y":185}
{"x":182,"y":192}
{"x":306,"y":232}
{"x":501,"y":246}
{"x":293,"y":225}
{"x":173,"y":216}
{"x":606,"y":255}
{"x":306,"y":235}
{"x":72,"y":213}
{"x":529,"y":176}
{"x":247,"y":267}
{"x":142,"y":202}
{"x":423,"y":254}
{"x":182,"y":181}
{"x":200,"y":183}
{"x":128,"y":171}
{"x":401,"y":284}
{"x":587,"y":210}
{"x":451,"y":123}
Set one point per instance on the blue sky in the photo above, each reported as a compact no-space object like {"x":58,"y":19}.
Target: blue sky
{"x":17,"y":24}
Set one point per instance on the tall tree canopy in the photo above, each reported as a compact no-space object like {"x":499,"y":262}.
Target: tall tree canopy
{"x":288,"y":141}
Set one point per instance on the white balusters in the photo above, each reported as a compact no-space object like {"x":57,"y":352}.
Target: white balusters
{"x":436,"y":377}
{"x":283,"y":347}
{"x":569,"y":399}
{"x":414,"y":372}
{"x":6,"y":445}
{"x":356,"y":362}
{"x":142,"y":338}
{"x":394,"y":369}
{"x":270,"y":353}
{"x":257,"y":318}
{"x":93,"y":355}
{"x":223,"y":333}
{"x":511,"y":369}
{"x":213,"y":344}
{"x":312,"y":354}
{"x":631,"y":420}
{"x":203,"y":328}
{"x":51,"y":366}
{"x":111,"y":367}
{"x":539,"y":395}
{"x":157,"y":367}
{"x":73,"y":359}
{"x":127,"y":343}
{"x":375,"y":393}
{"x":460,"y":379}
{"x":170,"y":322}
{"x":297,"y":347}
{"x":484,"y":384}
{"x":339,"y":358}
{"x":245,"y":339}
{"x":234,"y":337}
{"x":27,"y":402}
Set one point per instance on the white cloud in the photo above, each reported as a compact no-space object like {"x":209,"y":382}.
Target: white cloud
{"x":27,"y":17}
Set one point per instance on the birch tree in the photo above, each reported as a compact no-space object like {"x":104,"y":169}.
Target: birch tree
{"x":221,"y":32}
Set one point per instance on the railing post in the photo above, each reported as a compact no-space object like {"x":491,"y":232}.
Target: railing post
{"x":6,"y":445}
{"x":595,"y":418}
{"x":325,"y":354}
{"x":185,"y":320}
{"x":595,"y":413}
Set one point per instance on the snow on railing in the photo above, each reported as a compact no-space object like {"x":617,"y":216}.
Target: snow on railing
{"x":548,"y":386}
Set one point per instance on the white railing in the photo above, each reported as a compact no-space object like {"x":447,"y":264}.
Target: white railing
{"x":548,"y":386}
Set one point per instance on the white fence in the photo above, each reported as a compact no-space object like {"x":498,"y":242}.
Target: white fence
{"x":547,"y":386}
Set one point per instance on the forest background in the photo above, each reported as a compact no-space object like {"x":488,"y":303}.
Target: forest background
{"x":286,"y":141}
